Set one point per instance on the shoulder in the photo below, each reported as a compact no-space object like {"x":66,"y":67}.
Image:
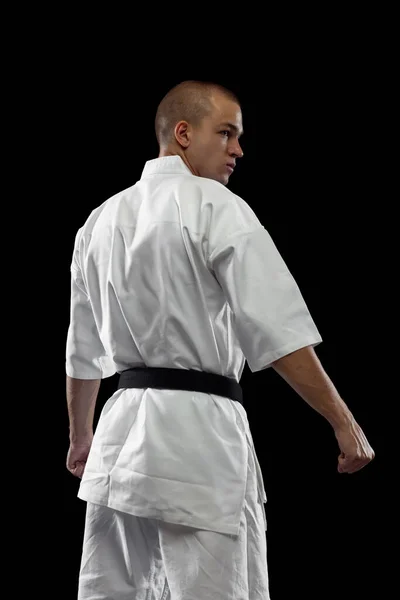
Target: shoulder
{"x":229,"y":205}
{"x":103,"y":210}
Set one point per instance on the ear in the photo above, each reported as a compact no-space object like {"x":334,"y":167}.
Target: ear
{"x":183,"y":133}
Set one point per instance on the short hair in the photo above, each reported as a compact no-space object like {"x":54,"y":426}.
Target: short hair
{"x":188,"y":101}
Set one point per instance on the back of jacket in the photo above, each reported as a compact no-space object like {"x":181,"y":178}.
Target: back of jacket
{"x":177,"y":271}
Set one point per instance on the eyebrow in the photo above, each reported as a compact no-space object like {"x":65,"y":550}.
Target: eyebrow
{"x":232,"y":126}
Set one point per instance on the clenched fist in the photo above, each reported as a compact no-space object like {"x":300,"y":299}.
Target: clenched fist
{"x":356,"y":452}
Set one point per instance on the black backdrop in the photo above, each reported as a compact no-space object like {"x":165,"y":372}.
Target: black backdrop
{"x":309,"y":173}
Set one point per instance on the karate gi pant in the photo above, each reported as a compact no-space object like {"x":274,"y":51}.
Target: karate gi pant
{"x":126,"y":557}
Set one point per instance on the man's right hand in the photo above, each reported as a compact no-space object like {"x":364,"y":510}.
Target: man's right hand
{"x":356,"y":452}
{"x":303,"y":371}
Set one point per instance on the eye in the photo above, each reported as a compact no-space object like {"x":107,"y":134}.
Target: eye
{"x":225,"y":131}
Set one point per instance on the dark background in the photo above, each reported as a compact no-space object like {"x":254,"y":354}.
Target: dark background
{"x":312,"y":172}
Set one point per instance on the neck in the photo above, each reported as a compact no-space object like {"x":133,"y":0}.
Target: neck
{"x":172,"y":152}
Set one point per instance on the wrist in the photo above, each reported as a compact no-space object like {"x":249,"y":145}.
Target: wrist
{"x":342,"y":420}
{"x":80,"y":438}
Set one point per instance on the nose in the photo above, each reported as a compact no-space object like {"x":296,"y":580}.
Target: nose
{"x":236,"y":149}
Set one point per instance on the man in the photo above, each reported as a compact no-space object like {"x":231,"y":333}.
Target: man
{"x":175,"y":283}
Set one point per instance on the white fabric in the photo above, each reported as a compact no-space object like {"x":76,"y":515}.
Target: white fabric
{"x":125,"y":556}
{"x":177,"y":271}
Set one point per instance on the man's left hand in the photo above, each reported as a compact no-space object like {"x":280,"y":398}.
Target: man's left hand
{"x":77,"y":456}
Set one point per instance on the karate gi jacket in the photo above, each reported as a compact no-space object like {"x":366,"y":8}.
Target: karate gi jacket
{"x":177,"y":271}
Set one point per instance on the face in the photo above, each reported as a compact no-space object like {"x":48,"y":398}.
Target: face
{"x":216,"y":142}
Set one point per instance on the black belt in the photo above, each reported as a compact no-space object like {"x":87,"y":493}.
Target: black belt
{"x":181,"y":379}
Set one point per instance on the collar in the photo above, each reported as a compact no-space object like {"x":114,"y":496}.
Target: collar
{"x":165,"y":165}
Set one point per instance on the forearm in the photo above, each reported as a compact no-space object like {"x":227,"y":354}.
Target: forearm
{"x":303,"y":371}
{"x":81,"y":401}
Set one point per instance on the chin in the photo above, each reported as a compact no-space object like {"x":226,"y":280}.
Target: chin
{"x":223,"y":179}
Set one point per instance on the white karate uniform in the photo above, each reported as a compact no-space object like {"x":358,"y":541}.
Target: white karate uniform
{"x":177,"y":271}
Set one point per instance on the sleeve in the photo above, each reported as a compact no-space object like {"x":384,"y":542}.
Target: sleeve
{"x":85,"y":354}
{"x":270,"y":316}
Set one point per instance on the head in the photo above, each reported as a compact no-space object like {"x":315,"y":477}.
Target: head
{"x":202,"y":123}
